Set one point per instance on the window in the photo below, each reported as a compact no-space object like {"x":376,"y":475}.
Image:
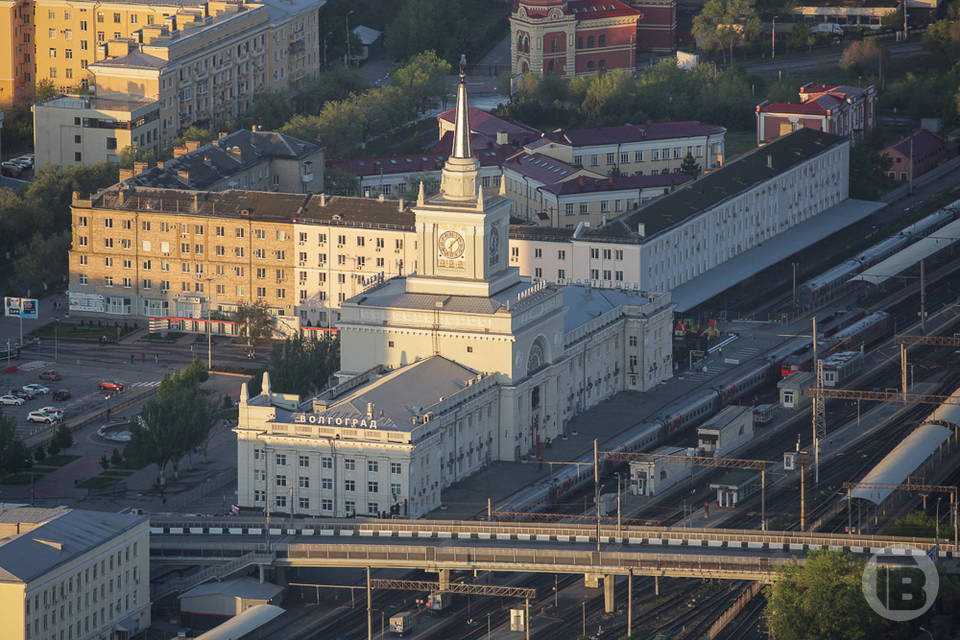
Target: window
{"x":281,"y":480}
{"x":350,"y":464}
{"x":538,"y":253}
{"x":373,"y":487}
{"x":83,"y":25}
{"x":111,"y":142}
{"x":561,"y":275}
{"x":259,"y":495}
{"x":611,"y":158}
{"x":68,"y":54}
{"x":326,"y":483}
{"x":632,"y":341}
{"x":350,"y":485}
{"x":280,"y":501}
{"x":373,"y":466}
{"x":304,"y":503}
{"x":638,"y":156}
{"x":350,"y":507}
{"x":326,"y":463}
{"x":594,"y":160}
{"x":326,"y":504}
{"x":303,"y":482}
{"x":568,"y":209}
{"x":395,"y":468}
{"x":281,"y":459}
{"x":373,"y":509}
{"x":538,"y":272}
{"x":583,"y":207}
{"x":303,"y":461}
{"x":116,"y":17}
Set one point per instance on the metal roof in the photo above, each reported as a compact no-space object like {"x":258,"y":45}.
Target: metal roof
{"x":912,"y":452}
{"x":906,"y":258}
{"x":243,"y":623}
{"x":237,"y":588}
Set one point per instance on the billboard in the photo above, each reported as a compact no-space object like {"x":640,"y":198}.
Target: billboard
{"x":86,"y":302}
{"x":21,"y":307}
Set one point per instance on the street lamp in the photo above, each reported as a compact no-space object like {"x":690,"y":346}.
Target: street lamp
{"x":618,"y":504}
{"x":56,"y":338}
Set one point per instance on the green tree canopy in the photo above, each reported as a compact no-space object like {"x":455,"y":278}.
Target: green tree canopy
{"x":864,"y":56}
{"x":724,"y":24}
{"x":821,"y":600}
{"x":256,"y":320}
{"x":304,"y":365}
{"x":423,"y":79}
{"x":14,"y":455}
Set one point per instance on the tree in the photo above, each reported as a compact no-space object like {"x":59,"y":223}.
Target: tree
{"x":171,"y":424}
{"x":823,"y":598}
{"x":54,"y":447}
{"x":689,"y":166}
{"x":196,"y":371}
{"x":44,"y":90}
{"x":255,"y":319}
{"x":431,"y":184}
{"x":128,"y":155}
{"x":42,"y":264}
{"x":867,"y":172}
{"x":303,"y":365}
{"x":115,"y":458}
{"x":892,"y":20}
{"x":63,"y":437}
{"x":917,"y":524}
{"x":801,"y":35}
{"x":942,"y":38}
{"x":196,"y":134}
{"x":39,"y":453}
{"x":723,"y":24}
{"x":423,"y":79}
{"x":865,"y":56}
{"x":14,"y":455}
{"x":339,"y":182}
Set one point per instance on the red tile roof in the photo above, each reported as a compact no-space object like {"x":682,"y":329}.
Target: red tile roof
{"x":808,"y":108}
{"x":541,"y":168}
{"x":925,"y":143}
{"x":490,"y":124}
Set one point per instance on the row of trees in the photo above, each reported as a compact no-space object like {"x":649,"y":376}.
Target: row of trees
{"x":662,"y":92}
{"x":35,"y":224}
{"x":450,"y":27}
{"x":175,"y":423}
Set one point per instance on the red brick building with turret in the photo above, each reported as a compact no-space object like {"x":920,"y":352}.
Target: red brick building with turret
{"x":577,"y":37}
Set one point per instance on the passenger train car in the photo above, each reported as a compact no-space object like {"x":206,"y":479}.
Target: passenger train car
{"x":835,"y":281}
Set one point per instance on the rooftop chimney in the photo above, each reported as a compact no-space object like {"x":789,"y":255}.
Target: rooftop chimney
{"x":769,"y":161}
{"x":641,"y":230}
{"x":503,"y":138}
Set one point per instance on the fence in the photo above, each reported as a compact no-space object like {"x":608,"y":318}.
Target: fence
{"x":748,"y":594}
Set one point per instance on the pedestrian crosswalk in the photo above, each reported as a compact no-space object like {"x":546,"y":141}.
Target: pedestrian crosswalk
{"x":32,"y":365}
{"x":145,"y":384}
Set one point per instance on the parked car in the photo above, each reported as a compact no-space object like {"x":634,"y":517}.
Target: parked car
{"x":36,"y":389}
{"x":52,"y":411}
{"x":61,"y":394}
{"x":110,"y":385}
{"x":11,"y":400}
{"x":25,"y":395}
{"x":40,"y":416}
{"x":51,"y":375}
{"x":11,"y":169}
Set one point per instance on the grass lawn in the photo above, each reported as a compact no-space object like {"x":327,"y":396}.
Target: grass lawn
{"x":98,"y":482}
{"x":20,"y":478}
{"x":60,"y":460}
{"x":131,"y":466}
{"x":738,"y":142}
{"x":74,"y":331}
{"x":117,"y":473}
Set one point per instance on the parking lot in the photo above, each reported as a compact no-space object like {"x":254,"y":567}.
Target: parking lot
{"x":82,"y":381}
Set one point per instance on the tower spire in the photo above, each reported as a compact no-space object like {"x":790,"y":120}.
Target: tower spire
{"x":461,"y":130}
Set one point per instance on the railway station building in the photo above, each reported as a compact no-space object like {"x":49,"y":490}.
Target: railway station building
{"x":448,"y":369}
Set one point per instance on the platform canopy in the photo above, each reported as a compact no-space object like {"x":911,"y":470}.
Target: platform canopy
{"x":908,"y":257}
{"x":900,"y":463}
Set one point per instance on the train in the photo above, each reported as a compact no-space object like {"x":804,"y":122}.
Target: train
{"x":845,"y":331}
{"x":683,"y":414}
{"x":835,"y":281}
{"x":862,"y":332}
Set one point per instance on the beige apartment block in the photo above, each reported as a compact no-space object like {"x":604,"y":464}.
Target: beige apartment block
{"x":170,"y":253}
{"x":85,"y":130}
{"x":16,"y":56}
{"x":202,"y":61}
{"x":69,"y":573}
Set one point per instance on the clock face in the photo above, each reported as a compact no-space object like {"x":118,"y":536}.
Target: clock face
{"x":494,"y":245}
{"x":451,"y":245}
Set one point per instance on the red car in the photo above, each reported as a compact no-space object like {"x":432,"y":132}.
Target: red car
{"x":111,"y":385}
{"x":50,"y":375}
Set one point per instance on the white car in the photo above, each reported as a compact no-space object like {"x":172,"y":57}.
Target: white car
{"x":14,"y":400}
{"x":40,"y":416}
{"x":52,"y":411}
{"x":36,"y":389}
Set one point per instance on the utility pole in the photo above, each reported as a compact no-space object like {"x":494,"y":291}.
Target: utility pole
{"x":794,"y":285}
{"x":209,"y":343}
{"x":819,"y":406}
{"x":369,"y":610}
{"x":629,"y":603}
{"x":596,"y":488}
{"x":773,"y":39}
{"x":803,"y":499}
{"x":923,"y":298}
{"x":618,"y":506}
{"x":905,"y":21}
{"x":910,"y":168}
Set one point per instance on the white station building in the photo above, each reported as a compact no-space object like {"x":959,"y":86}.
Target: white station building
{"x":448,"y":369}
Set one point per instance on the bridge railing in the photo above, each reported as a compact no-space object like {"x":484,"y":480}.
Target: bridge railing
{"x":462,"y":528}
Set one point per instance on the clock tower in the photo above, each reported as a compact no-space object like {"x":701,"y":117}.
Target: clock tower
{"x":462,"y":236}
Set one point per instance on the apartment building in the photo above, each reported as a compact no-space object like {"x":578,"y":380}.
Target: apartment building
{"x":635,"y":149}
{"x":171,"y":253}
{"x":256,"y":160}
{"x":86,"y":130}
{"x":550,"y":192}
{"x":73,"y":574}
{"x":703,"y":224}
{"x":17,"y":71}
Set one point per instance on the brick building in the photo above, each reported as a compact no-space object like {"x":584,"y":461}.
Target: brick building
{"x":838,"y":109}
{"x":917,"y":153}
{"x":577,"y":37}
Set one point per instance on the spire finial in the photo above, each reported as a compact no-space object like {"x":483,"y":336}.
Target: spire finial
{"x":420,"y":196}
{"x":480,"y":199}
{"x":461,"y":129}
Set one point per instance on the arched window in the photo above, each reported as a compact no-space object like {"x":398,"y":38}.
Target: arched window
{"x":589,"y":42}
{"x":602,"y":64}
{"x":519,"y":42}
{"x":579,"y":42}
{"x":589,"y":65}
{"x":550,"y":67}
{"x":602,"y":41}
{"x":526,"y":44}
{"x":538,"y":356}
{"x":553,"y":45}
{"x":524,"y":68}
